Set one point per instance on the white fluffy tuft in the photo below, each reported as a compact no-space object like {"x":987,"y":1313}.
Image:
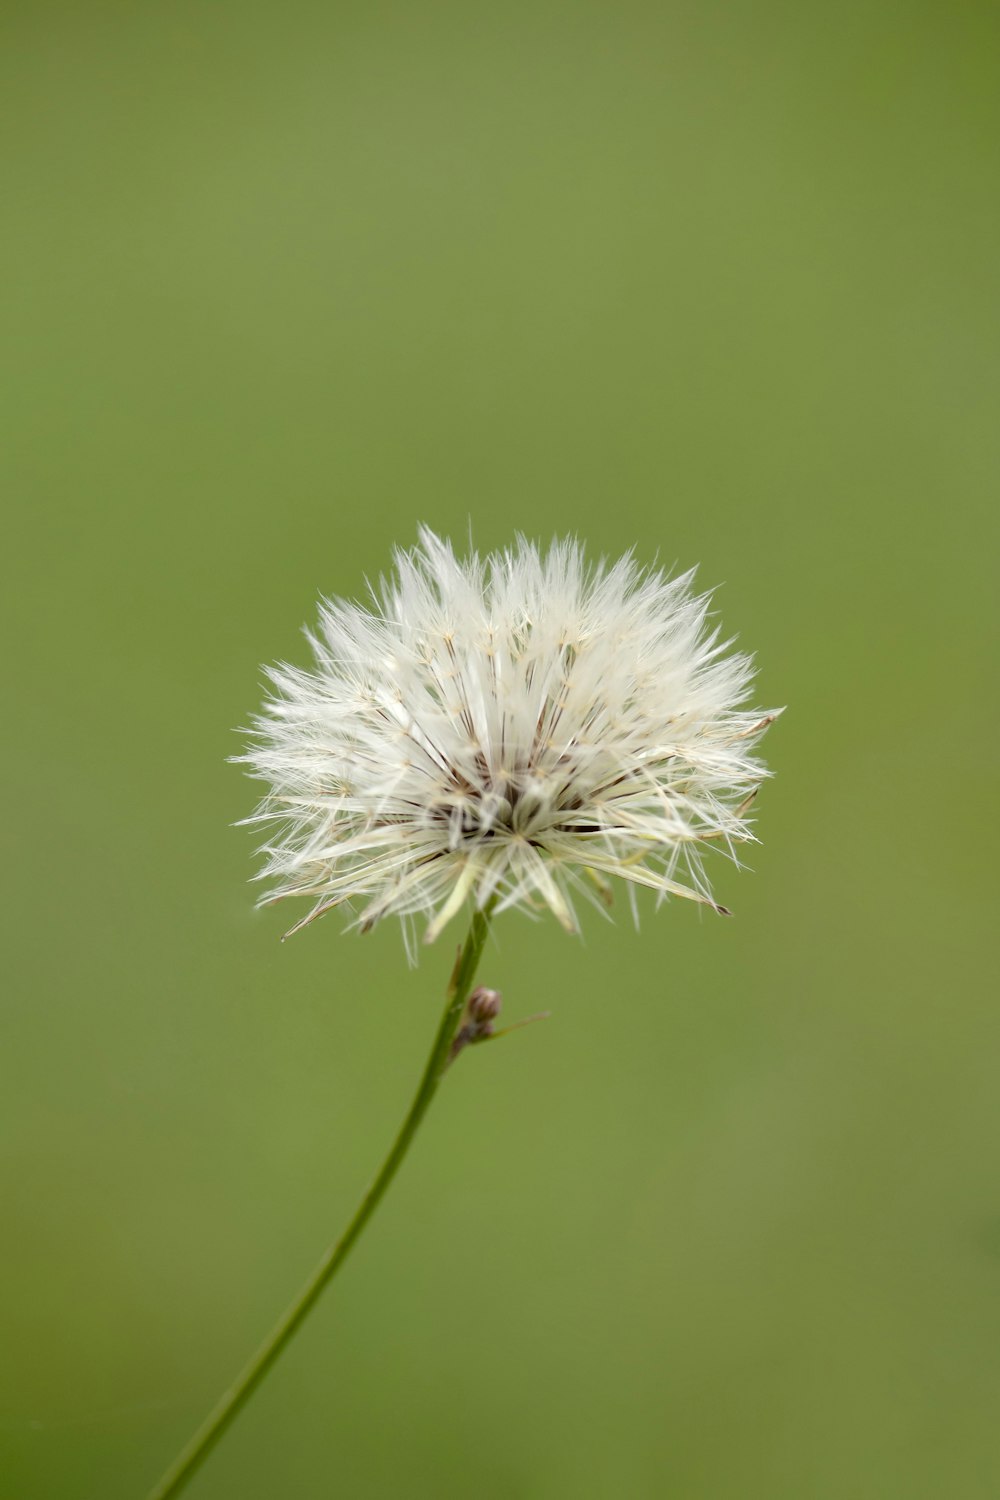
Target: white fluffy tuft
{"x":512,"y":730}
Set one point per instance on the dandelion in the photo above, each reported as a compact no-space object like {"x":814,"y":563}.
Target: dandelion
{"x":516,"y":731}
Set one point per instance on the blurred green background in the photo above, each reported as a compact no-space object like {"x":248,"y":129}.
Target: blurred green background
{"x":720,"y":281}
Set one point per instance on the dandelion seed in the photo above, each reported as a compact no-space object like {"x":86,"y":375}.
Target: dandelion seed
{"x":517,"y":730}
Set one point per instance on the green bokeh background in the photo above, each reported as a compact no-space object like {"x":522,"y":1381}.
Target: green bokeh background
{"x":719,"y":281}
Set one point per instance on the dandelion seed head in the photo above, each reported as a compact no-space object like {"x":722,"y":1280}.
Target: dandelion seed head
{"x":515,"y":730}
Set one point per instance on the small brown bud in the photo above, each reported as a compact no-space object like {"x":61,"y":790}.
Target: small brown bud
{"x":484,"y":1005}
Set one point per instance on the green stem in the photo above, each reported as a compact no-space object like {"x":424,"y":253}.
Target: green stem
{"x":237,"y":1396}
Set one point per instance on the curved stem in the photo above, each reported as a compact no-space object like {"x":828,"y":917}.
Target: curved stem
{"x":238,"y":1394}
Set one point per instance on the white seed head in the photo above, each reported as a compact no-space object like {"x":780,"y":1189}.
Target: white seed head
{"x":510,"y":730}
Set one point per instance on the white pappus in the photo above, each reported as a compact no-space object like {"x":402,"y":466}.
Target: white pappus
{"x":511,"y":730}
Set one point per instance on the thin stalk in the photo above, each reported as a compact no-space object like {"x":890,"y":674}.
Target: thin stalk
{"x":204,"y":1440}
